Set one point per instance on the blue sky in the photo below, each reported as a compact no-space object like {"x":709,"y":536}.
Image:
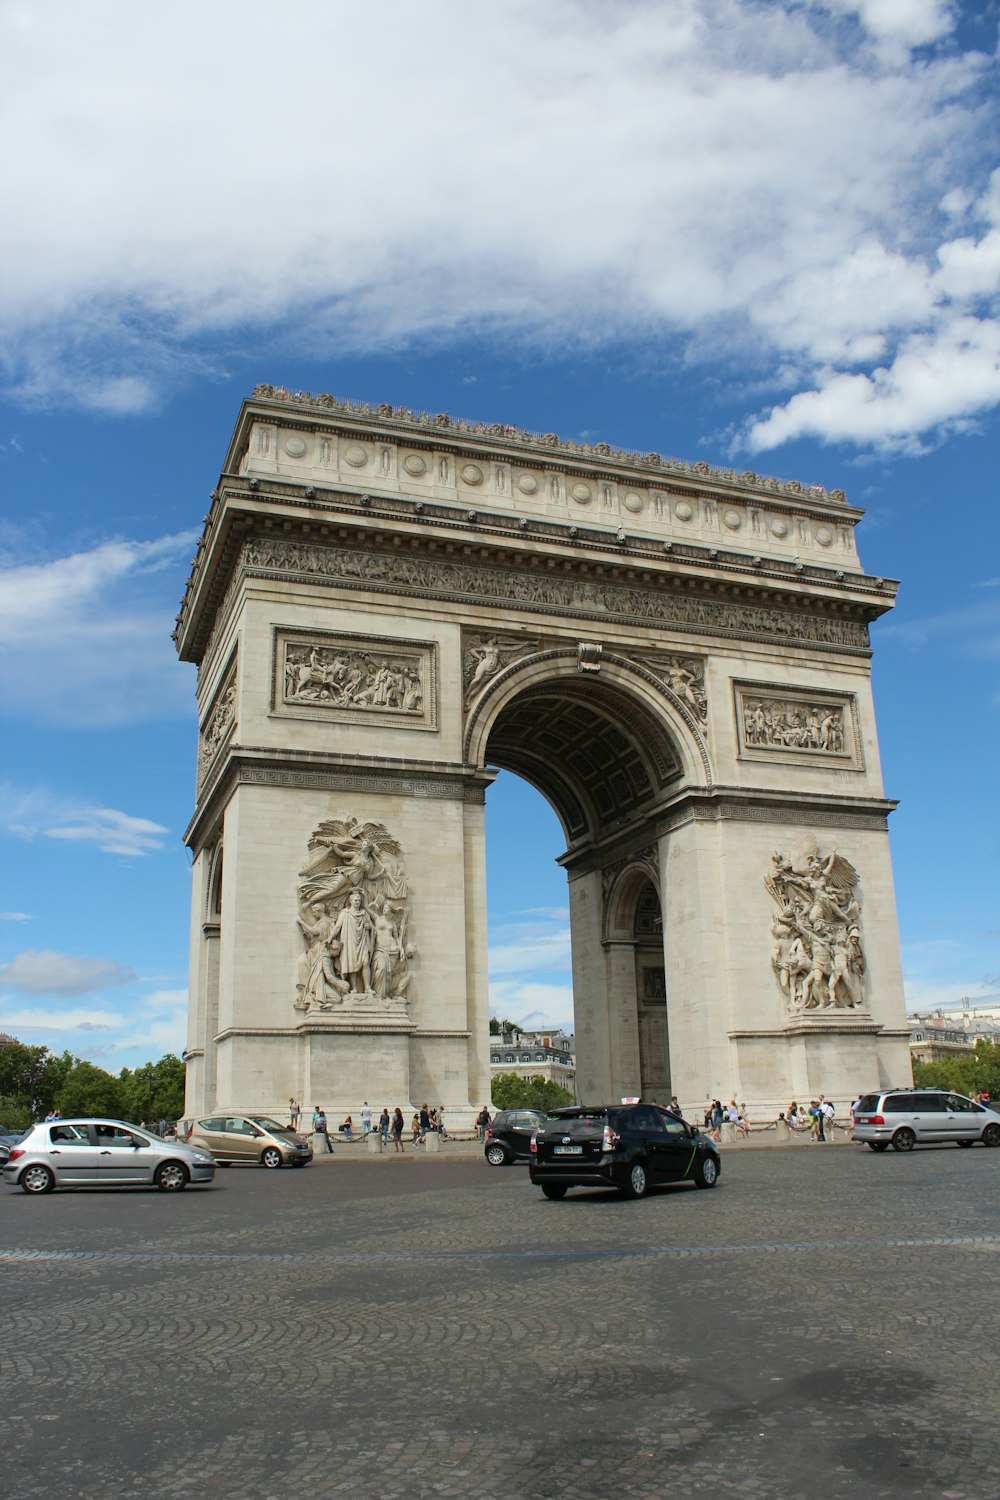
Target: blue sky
{"x":765,"y":235}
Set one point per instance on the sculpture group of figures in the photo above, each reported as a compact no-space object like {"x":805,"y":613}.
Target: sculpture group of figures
{"x":818,"y":958}
{"x":351,"y":679}
{"x":353,"y":916}
{"x":793,"y":726}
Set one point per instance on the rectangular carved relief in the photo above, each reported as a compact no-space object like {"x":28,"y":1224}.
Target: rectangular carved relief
{"x":774,"y":722}
{"x":360,"y":679}
{"x":219,"y":722}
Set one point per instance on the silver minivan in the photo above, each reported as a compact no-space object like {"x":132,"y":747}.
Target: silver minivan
{"x":904,"y":1118}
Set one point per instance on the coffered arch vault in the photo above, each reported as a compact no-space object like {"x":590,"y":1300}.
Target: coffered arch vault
{"x":599,"y":746}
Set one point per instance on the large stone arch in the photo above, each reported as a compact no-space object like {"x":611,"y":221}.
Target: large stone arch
{"x":386,"y":608}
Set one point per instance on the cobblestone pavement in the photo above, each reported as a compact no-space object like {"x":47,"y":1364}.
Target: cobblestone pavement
{"x":824,"y":1324}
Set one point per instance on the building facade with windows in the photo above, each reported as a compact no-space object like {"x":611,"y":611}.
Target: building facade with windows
{"x":535,"y":1054}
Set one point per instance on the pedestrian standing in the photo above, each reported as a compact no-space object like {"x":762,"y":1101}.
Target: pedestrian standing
{"x":483,"y":1122}
{"x":425,"y":1123}
{"x":397,"y":1130}
{"x":320,"y":1127}
{"x":294,"y":1111}
{"x":383,"y":1125}
{"x":366,"y":1120}
{"x":440,"y":1123}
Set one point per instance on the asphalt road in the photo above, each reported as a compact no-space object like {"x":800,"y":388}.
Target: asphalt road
{"x":823,"y":1324}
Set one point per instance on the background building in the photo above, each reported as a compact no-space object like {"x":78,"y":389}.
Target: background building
{"x":535,"y":1054}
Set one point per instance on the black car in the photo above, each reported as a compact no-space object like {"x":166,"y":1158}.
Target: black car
{"x":631,"y":1147}
{"x":509,"y":1137}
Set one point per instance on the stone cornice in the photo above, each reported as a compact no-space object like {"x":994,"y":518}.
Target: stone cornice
{"x":313,"y":770}
{"x":691,"y":573}
{"x":400,"y":422}
{"x":718,"y":804}
{"x":486,"y":519}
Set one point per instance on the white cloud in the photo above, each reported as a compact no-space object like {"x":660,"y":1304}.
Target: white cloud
{"x":105,"y":617}
{"x":532,"y":1004}
{"x":543,"y":942}
{"x":911,"y":22}
{"x":57,"y":1022}
{"x":561,"y":171}
{"x":33,"y":813}
{"x":14,"y":916}
{"x":44,"y":972}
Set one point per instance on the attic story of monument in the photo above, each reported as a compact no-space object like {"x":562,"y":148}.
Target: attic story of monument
{"x":385,"y":609}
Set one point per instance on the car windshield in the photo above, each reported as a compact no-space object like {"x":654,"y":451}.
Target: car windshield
{"x":266,"y":1123}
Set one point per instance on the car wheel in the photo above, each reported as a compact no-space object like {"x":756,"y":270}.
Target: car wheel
{"x":991,"y":1136}
{"x":637,"y":1182}
{"x":270,"y":1157}
{"x":553,"y":1190}
{"x":496,"y":1155}
{"x":706,"y":1172}
{"x":37,"y":1179}
{"x":171,"y":1177}
{"x":904,"y":1140}
{"x":964,"y":1143}
{"x":878,"y":1145}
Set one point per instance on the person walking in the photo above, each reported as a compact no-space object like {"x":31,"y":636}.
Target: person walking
{"x":320,"y":1127}
{"x":440,"y":1123}
{"x":397,"y":1130}
{"x":483,"y":1122}
{"x":366,"y":1120}
{"x":426,"y":1123}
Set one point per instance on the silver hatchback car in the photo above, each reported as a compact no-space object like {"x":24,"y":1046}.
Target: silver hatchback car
{"x":904,"y":1118}
{"x":102,"y":1153}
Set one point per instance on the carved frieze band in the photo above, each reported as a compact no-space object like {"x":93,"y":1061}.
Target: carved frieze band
{"x":366,"y":679}
{"x":380,"y":572}
{"x":774,"y":722}
{"x":219,"y":723}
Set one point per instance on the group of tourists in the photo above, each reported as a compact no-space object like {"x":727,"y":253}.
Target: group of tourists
{"x":718,"y":1114}
{"x":817,"y":1119}
{"x":425,"y":1122}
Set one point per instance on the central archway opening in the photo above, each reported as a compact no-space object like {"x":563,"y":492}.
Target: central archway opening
{"x":589,"y":763}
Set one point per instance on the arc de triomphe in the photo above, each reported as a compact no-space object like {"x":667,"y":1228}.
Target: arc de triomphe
{"x":385,"y":607}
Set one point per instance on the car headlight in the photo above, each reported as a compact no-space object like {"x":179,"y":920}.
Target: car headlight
{"x":203,"y":1156}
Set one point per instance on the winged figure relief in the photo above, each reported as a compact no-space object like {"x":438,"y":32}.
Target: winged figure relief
{"x":485,"y":656}
{"x":818,"y":957}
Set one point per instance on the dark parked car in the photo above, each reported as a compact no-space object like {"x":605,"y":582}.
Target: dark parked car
{"x":8,"y":1139}
{"x":631,"y":1147}
{"x":509,"y":1137}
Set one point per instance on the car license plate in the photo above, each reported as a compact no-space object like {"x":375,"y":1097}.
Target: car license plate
{"x":568,"y":1150}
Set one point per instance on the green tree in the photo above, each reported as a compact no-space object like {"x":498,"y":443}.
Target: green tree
{"x":89,"y":1090}
{"x":513,"y":1092}
{"x":499,"y":1024}
{"x":970,"y":1074}
{"x":155,"y":1091}
{"x":30,"y":1078}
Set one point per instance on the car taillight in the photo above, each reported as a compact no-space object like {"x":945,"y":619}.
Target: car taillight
{"x":17,"y":1151}
{"x":611,"y":1139}
{"x":534,"y":1141}
{"x":874,"y":1120}
{"x":489,"y":1135}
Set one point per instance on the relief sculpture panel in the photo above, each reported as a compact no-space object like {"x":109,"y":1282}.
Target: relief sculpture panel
{"x":796,"y":723}
{"x":818,"y":957}
{"x":219,"y":722}
{"x":354,"y":918}
{"x":370,"y":678}
{"x":483,"y":656}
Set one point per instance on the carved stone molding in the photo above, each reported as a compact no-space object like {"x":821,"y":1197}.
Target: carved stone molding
{"x":351,"y":781}
{"x":775,"y":722}
{"x":646,"y":858}
{"x":360,"y":679}
{"x":481,"y":583}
